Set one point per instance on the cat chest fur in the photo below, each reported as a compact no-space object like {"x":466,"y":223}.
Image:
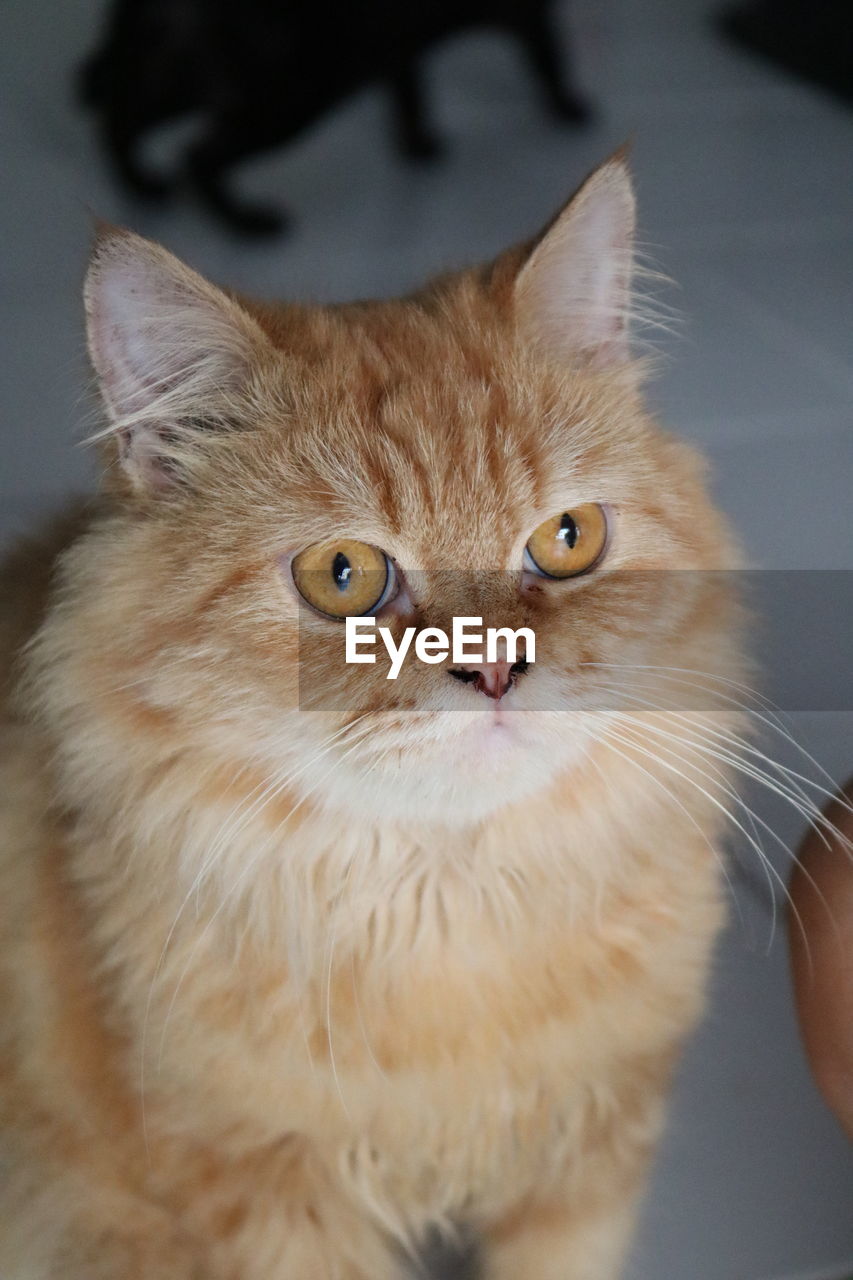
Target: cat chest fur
{"x":443,"y":1053}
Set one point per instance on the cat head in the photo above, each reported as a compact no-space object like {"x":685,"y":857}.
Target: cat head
{"x":477,"y":449}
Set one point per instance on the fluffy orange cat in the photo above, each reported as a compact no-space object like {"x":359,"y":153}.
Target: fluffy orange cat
{"x":308,"y":976}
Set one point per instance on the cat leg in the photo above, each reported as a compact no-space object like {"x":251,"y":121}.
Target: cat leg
{"x":112,"y":86}
{"x":558,"y":1240}
{"x":415,"y":139}
{"x":535,"y":29}
{"x":579,"y":1225}
{"x":229,"y":139}
{"x":260,"y":1218}
{"x":68,"y":1228}
{"x":120,"y":145}
{"x":91,"y":81}
{"x":114,"y":1253}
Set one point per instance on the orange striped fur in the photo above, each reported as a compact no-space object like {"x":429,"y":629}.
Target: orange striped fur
{"x":278,"y":1006}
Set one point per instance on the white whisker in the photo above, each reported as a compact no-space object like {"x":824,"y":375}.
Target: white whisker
{"x":770,"y":870}
{"x":247,"y":869}
{"x":606,"y":739}
{"x":269,"y":790}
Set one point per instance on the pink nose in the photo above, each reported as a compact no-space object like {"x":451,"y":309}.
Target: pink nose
{"x":494,"y":679}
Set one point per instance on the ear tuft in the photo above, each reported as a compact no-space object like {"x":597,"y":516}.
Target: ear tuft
{"x":171,"y":352}
{"x":573,"y":295}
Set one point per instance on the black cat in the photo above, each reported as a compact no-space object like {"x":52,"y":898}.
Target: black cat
{"x":260,"y":71}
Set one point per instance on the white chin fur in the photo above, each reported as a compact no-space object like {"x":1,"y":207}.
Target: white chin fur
{"x":454,"y":771}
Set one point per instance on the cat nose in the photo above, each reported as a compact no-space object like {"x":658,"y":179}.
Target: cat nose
{"x":494,"y":679}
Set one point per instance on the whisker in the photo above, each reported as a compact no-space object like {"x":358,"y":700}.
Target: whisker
{"x":675,"y":673}
{"x":328,"y":968}
{"x":771,"y":721}
{"x":785,"y":786}
{"x":686,"y":777}
{"x":698,"y":748}
{"x":606,"y":739}
{"x":269,"y":790}
{"x":247,"y":869}
{"x":770,"y":870}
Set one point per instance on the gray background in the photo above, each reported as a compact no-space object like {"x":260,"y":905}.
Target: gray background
{"x":745,"y":181}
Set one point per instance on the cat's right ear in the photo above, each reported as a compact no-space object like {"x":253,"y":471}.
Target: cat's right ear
{"x":171,"y":353}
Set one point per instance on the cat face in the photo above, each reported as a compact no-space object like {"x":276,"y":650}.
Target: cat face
{"x":479,"y":450}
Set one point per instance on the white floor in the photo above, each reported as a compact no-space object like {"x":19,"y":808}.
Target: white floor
{"x":746,"y":193}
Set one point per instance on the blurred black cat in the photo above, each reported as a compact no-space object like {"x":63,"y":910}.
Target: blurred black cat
{"x":259,"y":71}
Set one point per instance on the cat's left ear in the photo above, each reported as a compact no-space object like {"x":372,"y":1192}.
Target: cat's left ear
{"x":573,"y":294}
{"x":172,"y":353}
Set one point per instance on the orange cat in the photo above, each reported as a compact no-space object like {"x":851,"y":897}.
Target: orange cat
{"x":307,"y":973}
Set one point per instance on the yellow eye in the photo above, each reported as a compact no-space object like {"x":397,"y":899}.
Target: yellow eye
{"x":569,"y":543}
{"x":343,"y":579}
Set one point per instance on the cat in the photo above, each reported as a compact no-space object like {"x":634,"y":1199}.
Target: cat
{"x":260,"y":73}
{"x":392,"y":983}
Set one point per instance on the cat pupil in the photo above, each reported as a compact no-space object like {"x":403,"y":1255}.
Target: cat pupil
{"x":569,"y":531}
{"x":341,"y":571}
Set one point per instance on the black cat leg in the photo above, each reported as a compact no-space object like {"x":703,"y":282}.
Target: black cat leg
{"x":537,"y":32}
{"x":120,"y":145}
{"x":415,"y":138}
{"x":90,"y":86}
{"x":228,"y":141}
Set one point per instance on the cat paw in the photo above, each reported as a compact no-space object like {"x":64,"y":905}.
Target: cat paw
{"x":240,"y":216}
{"x":423,"y":147}
{"x":154,"y":187}
{"x":571,"y":109}
{"x":144,"y":183}
{"x":254,"y":219}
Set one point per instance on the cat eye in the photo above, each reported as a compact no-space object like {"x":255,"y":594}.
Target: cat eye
{"x":568,"y":544}
{"x":344,"y":578}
